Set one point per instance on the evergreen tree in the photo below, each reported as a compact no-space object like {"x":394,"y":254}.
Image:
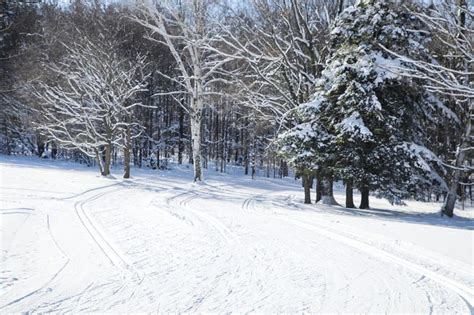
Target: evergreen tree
{"x":375,"y":119}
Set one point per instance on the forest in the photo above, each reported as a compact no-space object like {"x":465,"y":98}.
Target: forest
{"x":375,"y":94}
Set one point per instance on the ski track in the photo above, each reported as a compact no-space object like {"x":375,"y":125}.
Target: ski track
{"x":463,"y":291}
{"x":109,"y":250}
{"x":259,"y":255}
{"x":56,"y":274}
{"x":187,"y":197}
{"x":128,"y":275}
{"x":131,"y":278}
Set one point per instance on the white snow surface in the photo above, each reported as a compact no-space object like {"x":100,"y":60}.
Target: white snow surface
{"x":354,"y":125}
{"x":72,"y":241}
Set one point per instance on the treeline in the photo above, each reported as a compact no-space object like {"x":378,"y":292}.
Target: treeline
{"x":377,"y":94}
{"x":49,"y":51}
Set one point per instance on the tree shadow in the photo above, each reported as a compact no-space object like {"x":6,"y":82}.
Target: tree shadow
{"x":426,"y":218}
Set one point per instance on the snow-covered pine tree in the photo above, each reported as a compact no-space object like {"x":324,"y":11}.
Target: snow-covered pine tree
{"x":307,"y":148}
{"x":375,"y":119}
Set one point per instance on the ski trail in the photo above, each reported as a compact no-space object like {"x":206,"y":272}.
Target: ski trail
{"x":465,"y":292}
{"x":216,"y":223}
{"x":32,"y":293}
{"x":26,"y":211}
{"x":47,"y":283}
{"x":462,"y":290}
{"x":110,"y":251}
{"x":220,"y":227}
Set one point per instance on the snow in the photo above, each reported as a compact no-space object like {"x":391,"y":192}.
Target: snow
{"x":72,"y":241}
{"x":444,"y":109}
{"x":354,"y":124}
{"x":387,"y":68}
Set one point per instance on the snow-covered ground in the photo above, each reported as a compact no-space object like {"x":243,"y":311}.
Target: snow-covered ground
{"x":72,"y":241}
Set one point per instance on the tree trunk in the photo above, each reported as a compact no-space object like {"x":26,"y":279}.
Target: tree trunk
{"x":54,"y":150}
{"x":349,"y":194}
{"x":319,"y":187}
{"x":41,"y":147}
{"x":7,"y":137}
{"x":448,"y":207}
{"x":340,"y":6}
{"x":126,"y":153}
{"x":196,"y":140}
{"x":327,"y":196}
{"x":284,"y":168}
{"x":99,"y":161}
{"x":181,"y":136}
{"x":364,"y":202}
{"x":107,"y":154}
{"x":307,"y":188}
{"x":140,"y":156}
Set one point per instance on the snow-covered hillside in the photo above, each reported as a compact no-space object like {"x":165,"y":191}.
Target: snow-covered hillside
{"x":72,"y":241}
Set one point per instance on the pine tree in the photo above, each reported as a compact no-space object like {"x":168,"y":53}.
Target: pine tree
{"x":375,"y":119}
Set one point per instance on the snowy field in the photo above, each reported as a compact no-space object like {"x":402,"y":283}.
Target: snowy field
{"x":72,"y":241}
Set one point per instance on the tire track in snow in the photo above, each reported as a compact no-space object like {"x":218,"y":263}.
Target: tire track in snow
{"x":243,"y":263}
{"x":93,"y":231}
{"x":463,"y":291}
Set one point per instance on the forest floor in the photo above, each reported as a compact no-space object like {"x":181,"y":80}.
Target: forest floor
{"x":72,"y":241}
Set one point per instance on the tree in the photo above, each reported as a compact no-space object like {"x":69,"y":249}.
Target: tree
{"x":18,"y":19}
{"x":450,"y":75}
{"x":283,"y":45}
{"x":373,"y":116}
{"x":90,"y":107}
{"x":188,"y":34}
{"x":306,"y":147}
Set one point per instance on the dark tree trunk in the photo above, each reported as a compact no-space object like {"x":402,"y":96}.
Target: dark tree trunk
{"x":126,"y":153}
{"x":349,"y":194}
{"x":54,"y":150}
{"x":41,"y":148}
{"x":246,"y":163}
{"x":7,"y":137}
{"x":319,"y":187}
{"x":107,"y":159}
{"x":470,"y":193}
{"x":364,"y":202}
{"x":307,"y":188}
{"x":284,"y":168}
{"x":158,"y":163}
{"x":140,"y":157}
{"x":340,"y":6}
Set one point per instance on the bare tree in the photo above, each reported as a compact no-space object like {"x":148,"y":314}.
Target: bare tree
{"x":284,"y":47}
{"x":186,"y":31}
{"x":452,"y":24}
{"x":90,"y":108}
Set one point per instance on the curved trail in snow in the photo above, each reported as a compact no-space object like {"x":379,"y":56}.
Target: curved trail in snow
{"x":462,"y":290}
{"x":340,"y":235}
{"x":116,"y":258}
{"x":217,"y":247}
